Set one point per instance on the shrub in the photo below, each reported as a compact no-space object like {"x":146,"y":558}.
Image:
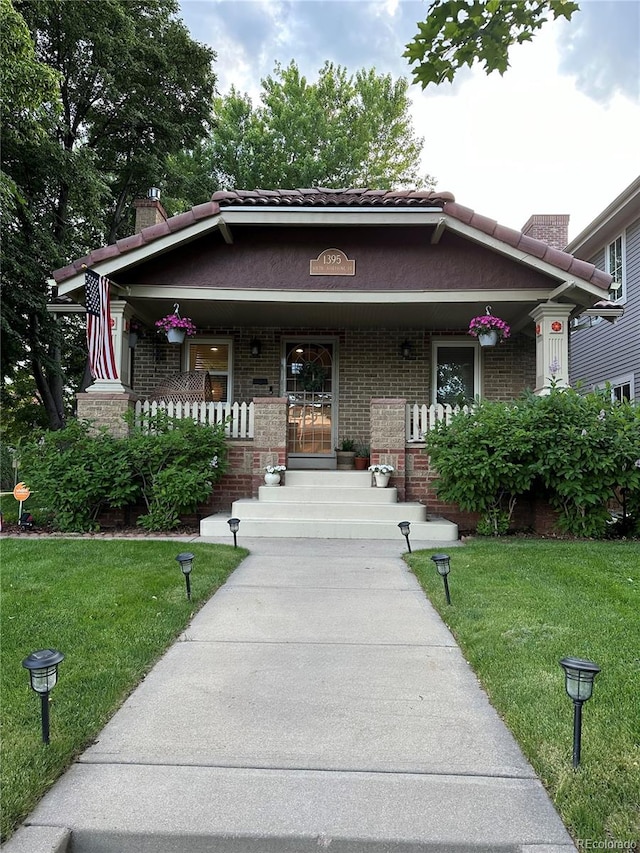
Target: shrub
{"x":176,"y":463}
{"x":78,"y":472}
{"x":582,"y":452}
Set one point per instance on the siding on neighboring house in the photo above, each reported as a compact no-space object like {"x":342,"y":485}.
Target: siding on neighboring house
{"x":610,"y":352}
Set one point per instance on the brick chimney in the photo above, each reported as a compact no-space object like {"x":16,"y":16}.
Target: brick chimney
{"x":149,"y":210}
{"x":551,"y":228}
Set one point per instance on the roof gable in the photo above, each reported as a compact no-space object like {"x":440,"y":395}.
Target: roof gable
{"x":440,"y":206}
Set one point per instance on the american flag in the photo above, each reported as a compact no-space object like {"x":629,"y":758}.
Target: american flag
{"x":102,"y":360}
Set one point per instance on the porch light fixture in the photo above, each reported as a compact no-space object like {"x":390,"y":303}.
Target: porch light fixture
{"x":406,"y":351}
{"x":234,"y":525}
{"x":255,"y":348}
{"x":186,"y":564}
{"x":43,"y":674}
{"x":443,"y":566}
{"x":578,"y":675}
{"x":405,"y":529}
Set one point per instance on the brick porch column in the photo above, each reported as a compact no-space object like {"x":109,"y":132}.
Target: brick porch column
{"x":106,"y":409}
{"x":388,"y":438}
{"x":269,"y":436}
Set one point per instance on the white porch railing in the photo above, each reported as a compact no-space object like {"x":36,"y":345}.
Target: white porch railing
{"x":237,"y":417}
{"x":419,"y":419}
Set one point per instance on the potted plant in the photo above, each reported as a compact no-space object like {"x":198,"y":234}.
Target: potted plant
{"x":176,"y":327}
{"x":362,"y":457}
{"x":381,"y":474}
{"x":346,"y":454}
{"x":136,"y":330}
{"x":489,"y":330}
{"x":273,"y":474}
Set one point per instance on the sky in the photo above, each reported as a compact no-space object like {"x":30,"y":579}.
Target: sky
{"x":558,"y":133}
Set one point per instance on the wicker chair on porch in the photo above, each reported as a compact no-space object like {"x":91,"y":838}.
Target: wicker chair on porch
{"x":193,"y":386}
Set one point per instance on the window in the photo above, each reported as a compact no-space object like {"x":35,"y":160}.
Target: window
{"x":456,"y":379}
{"x":622,"y":388}
{"x":615,"y":266}
{"x":622,"y":392}
{"x":215,"y":357}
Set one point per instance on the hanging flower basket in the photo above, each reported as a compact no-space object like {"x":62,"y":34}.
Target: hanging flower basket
{"x":176,"y":327}
{"x":489,"y":330}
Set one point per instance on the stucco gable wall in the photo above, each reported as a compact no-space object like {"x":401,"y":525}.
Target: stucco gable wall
{"x":386,"y":259}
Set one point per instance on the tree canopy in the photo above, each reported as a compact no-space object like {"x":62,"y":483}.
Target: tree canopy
{"x":108,"y":112}
{"x":338,"y":131}
{"x":460,"y":32}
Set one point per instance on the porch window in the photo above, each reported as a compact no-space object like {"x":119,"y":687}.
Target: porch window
{"x":215,"y":357}
{"x":456,"y":373}
{"x":615,"y":265}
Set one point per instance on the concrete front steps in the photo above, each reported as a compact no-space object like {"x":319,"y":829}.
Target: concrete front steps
{"x":329,"y":505}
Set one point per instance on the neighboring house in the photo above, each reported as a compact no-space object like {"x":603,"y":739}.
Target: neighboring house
{"x":603,"y":352}
{"x":332,"y":314}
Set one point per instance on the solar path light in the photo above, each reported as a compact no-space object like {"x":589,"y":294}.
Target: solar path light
{"x":43,"y":673}
{"x":443,"y":566}
{"x":234,"y":526}
{"x":578,"y":681}
{"x":405,"y":529}
{"x":186,"y":564}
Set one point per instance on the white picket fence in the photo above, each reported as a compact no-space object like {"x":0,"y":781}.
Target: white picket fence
{"x":237,"y":417}
{"x":419,"y":419}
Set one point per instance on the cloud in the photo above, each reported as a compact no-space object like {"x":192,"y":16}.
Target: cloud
{"x":602,"y":49}
{"x":250,"y":36}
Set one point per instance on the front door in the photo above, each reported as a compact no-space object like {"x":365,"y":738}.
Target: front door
{"x":309,"y":385}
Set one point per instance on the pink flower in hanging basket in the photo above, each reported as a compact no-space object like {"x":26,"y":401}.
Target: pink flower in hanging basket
{"x":488,"y":323}
{"x":175,"y":321}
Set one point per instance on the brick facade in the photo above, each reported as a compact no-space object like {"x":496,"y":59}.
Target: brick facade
{"x":370,"y":372}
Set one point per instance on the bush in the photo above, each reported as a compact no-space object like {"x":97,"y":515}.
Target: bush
{"x":581,"y":452}
{"x":76,"y":473}
{"x":169,"y":464}
{"x":176,"y":463}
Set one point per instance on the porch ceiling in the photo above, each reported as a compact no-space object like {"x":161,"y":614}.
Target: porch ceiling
{"x":340,"y":314}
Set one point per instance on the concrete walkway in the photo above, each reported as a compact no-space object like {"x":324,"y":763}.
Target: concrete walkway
{"x":316,"y":701}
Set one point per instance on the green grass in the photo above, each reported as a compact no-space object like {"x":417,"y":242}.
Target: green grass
{"x":517,"y":608}
{"x":112,"y":608}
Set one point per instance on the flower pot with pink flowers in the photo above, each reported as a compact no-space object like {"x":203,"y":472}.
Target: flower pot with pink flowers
{"x":489,"y":330}
{"x":175,"y":327}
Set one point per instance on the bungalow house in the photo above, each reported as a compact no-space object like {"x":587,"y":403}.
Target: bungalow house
{"x":601,"y":353}
{"x":324,"y":316}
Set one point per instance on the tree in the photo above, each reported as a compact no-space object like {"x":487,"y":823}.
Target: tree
{"x":336,"y":132}
{"x":122,"y":105}
{"x":460,"y":32}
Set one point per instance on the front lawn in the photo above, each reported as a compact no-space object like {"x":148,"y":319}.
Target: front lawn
{"x":112,"y":608}
{"x":518,"y":606}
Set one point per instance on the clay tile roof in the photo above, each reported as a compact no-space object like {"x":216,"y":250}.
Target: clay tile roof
{"x":319,"y":197}
{"x":329,"y":197}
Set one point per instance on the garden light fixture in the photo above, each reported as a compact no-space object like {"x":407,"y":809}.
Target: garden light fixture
{"x":234,"y":525}
{"x":443,"y":566}
{"x":43,"y":674}
{"x":579,"y":675}
{"x":404,"y":529}
{"x":186,"y":564}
